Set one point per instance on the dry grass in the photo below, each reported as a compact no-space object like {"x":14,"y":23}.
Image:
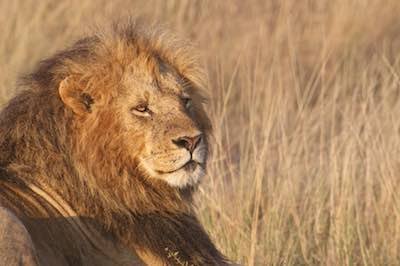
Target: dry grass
{"x":305,"y":103}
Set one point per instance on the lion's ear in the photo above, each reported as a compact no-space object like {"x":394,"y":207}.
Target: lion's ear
{"x":74,"y":97}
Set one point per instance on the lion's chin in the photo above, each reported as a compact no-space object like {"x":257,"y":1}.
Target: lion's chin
{"x":187,"y":176}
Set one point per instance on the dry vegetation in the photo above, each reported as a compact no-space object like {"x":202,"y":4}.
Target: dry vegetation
{"x":305,"y":98}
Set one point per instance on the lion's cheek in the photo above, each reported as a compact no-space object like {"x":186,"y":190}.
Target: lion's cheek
{"x":164,"y":162}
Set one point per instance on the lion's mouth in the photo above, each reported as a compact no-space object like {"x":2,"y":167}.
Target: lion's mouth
{"x":190,"y":166}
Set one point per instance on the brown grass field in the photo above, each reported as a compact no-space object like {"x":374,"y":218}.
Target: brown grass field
{"x":305,"y":99}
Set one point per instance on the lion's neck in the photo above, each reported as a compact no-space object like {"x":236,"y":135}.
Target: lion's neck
{"x":158,"y":238}
{"x":170,"y":235}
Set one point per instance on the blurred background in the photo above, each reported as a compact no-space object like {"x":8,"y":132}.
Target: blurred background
{"x":304,"y":98}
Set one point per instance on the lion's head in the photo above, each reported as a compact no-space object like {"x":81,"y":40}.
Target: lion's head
{"x":127,"y":109}
{"x":152,"y":119}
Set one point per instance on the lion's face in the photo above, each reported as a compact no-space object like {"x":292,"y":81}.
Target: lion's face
{"x":163,"y":125}
{"x":163,"y":115}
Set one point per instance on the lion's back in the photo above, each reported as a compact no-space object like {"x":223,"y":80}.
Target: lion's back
{"x":16,"y":246}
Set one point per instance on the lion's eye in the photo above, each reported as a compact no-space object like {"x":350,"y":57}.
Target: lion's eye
{"x":141,"y":110}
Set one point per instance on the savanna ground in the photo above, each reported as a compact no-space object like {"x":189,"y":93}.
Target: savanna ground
{"x":305,"y":100}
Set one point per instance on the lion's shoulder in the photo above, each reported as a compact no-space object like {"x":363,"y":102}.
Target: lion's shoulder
{"x":16,"y":246}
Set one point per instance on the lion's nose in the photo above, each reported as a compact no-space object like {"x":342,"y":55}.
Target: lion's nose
{"x":189,"y":143}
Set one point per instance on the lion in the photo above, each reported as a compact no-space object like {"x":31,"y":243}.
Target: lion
{"x":101,"y":152}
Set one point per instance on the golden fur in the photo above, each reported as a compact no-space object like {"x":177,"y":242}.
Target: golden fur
{"x":93,"y":151}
